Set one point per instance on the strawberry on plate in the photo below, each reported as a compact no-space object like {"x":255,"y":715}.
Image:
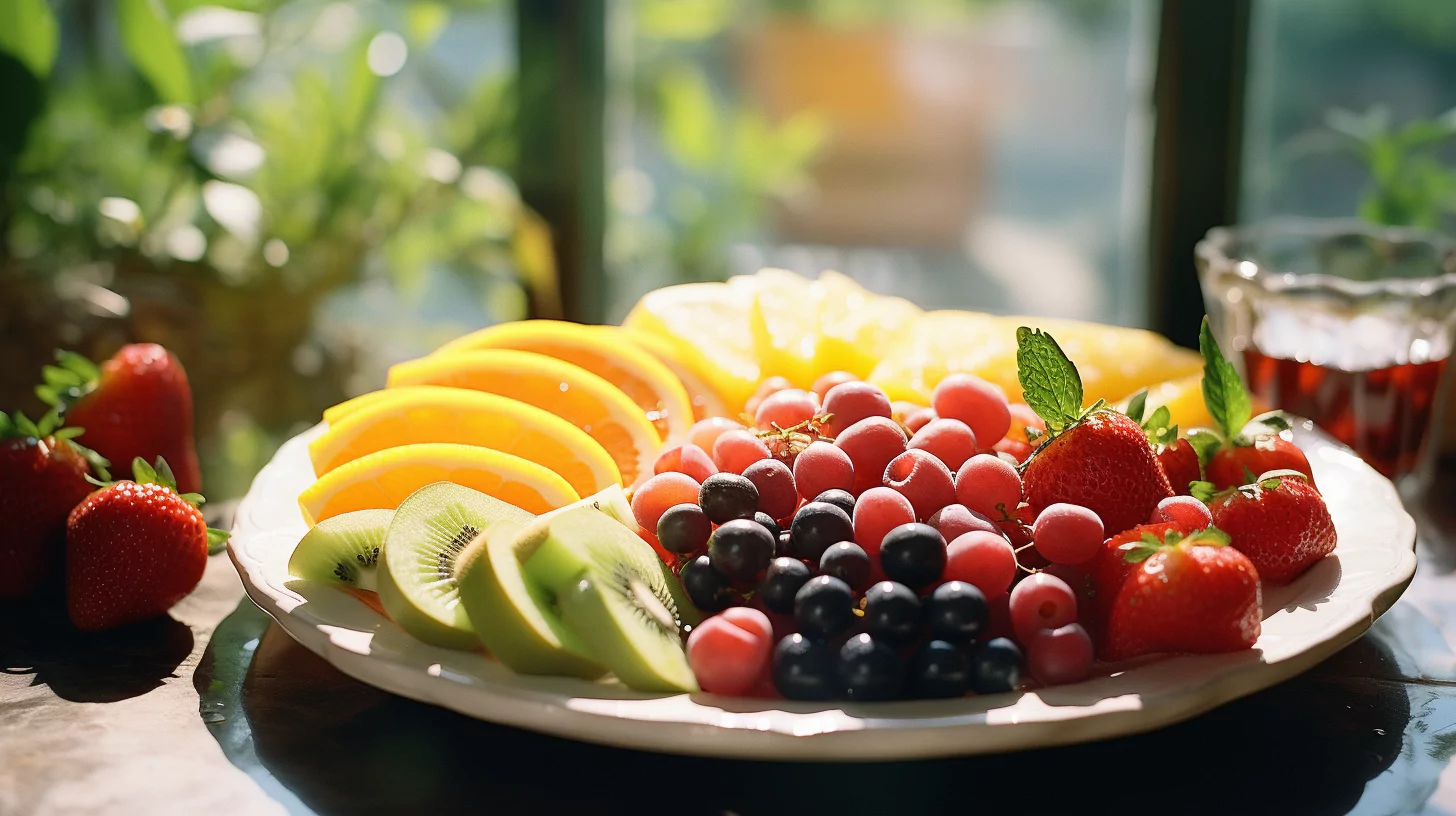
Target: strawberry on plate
{"x":1188,"y":593}
{"x":1279,"y":521}
{"x":42,"y":476}
{"x":1095,"y":458}
{"x":138,"y":404}
{"x":1176,"y":456}
{"x":134,"y":548}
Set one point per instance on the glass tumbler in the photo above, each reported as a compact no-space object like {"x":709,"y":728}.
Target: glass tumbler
{"x":1346,"y":323}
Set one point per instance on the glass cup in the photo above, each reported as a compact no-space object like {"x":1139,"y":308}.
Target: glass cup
{"x":1346,"y":323}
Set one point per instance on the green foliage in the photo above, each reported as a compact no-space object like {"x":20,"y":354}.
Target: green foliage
{"x":28,"y":32}
{"x":1049,"y":380}
{"x":1410,"y":184}
{"x":148,"y":36}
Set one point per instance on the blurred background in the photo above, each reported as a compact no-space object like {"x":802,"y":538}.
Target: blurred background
{"x":293,"y":195}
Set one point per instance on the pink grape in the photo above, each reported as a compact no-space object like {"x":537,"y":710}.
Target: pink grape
{"x":918,"y":419}
{"x":772,"y":385}
{"x":728,"y":652}
{"x":705,"y":432}
{"x":1061,"y":655}
{"x":979,"y":404}
{"x":777,"y":495}
{"x":1040,"y":602}
{"x":923,"y":479}
{"x":821,"y":467}
{"x":949,"y":440}
{"x":851,"y":402}
{"x":661,"y":492}
{"x":1183,"y":510}
{"x":736,"y":450}
{"x":689,"y":459}
{"x":989,"y":485}
{"x":1082,"y":586}
{"x":1067,"y":533}
{"x":871,"y":444}
{"x":876,"y":512}
{"x":825,"y":382}
{"x":981,"y":558}
{"x":955,"y":520}
{"x":786,"y":408}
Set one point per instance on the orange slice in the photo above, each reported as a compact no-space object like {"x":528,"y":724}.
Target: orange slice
{"x":383,"y":479}
{"x":706,"y":399}
{"x":603,"y":351}
{"x":409,"y":416}
{"x":334,"y":414}
{"x":570,"y":392}
{"x":707,"y":324}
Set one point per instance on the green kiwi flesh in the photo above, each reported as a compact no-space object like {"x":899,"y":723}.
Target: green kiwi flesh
{"x":342,"y":550}
{"x":617,"y":596}
{"x":416,"y":579}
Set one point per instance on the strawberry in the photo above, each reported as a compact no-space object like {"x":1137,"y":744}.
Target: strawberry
{"x":1280,"y":522}
{"x":42,"y":476}
{"x":1111,"y":568}
{"x":1250,"y":448}
{"x":1184,"y":594}
{"x":1177,"y":457}
{"x":136,"y":405}
{"x":134,"y":548}
{"x":1180,"y":465}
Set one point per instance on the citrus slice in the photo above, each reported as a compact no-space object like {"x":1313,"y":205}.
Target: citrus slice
{"x":334,"y":414}
{"x":708,"y":324}
{"x":784,"y":321}
{"x":414,"y":416}
{"x":704,"y":395}
{"x":855,"y":325}
{"x":385,"y":478}
{"x":570,"y":392}
{"x":602,"y":351}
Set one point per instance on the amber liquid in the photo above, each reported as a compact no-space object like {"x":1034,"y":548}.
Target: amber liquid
{"x":1384,"y":413}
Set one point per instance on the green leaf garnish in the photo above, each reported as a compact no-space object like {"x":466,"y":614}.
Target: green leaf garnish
{"x":216,"y":540}
{"x":1223,"y":391}
{"x":1049,"y":382}
{"x":1137,"y":405}
{"x":1203,"y":491}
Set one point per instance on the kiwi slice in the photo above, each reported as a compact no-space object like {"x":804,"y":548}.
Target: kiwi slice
{"x":514,"y":617}
{"x":342,"y":550}
{"x":431,"y":528}
{"x":613,"y":502}
{"x":617,"y":596}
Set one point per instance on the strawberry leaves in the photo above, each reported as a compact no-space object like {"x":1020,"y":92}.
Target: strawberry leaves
{"x":1223,"y":392}
{"x":1136,"y":552}
{"x":19,"y":426}
{"x":1159,"y":428}
{"x":1050,"y":383}
{"x":72,"y":378}
{"x":161,"y":474}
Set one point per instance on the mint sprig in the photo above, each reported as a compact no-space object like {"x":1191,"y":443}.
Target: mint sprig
{"x":1223,"y":392}
{"x":1050,"y":383}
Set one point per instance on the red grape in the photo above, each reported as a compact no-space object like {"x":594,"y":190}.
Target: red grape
{"x":920,"y":418}
{"x":736,"y":450}
{"x":728,"y":652}
{"x":955,"y":520}
{"x":972,"y":400}
{"x":786,"y":408}
{"x":949,"y":440}
{"x":772,"y":385}
{"x":876,"y":512}
{"x":871,"y":444}
{"x":825,"y":382}
{"x":689,"y":459}
{"x":1040,"y":602}
{"x":777,"y":495}
{"x":1183,"y":510}
{"x":1019,"y":451}
{"x":981,"y":558}
{"x":705,"y":432}
{"x":1067,"y":533}
{"x":989,"y":485}
{"x":848,"y":403}
{"x":661,"y":492}
{"x":1061,"y":655}
{"x":821,"y":467}
{"x":921,"y":478}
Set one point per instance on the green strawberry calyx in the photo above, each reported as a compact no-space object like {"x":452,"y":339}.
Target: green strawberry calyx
{"x":1136,"y":552}
{"x":65,"y":383}
{"x":1158,"y":425}
{"x":161,"y":474}
{"x":1208,"y":493}
{"x":1050,"y":383}
{"x":51,"y":426}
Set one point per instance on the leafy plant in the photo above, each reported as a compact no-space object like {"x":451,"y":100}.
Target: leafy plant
{"x":1410,"y":183}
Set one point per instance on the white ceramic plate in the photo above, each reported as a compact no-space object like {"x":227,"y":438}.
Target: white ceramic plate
{"x":1306,"y":622}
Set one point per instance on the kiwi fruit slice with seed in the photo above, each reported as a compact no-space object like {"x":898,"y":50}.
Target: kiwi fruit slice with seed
{"x":617,"y":596}
{"x":416,"y":579}
{"x":342,"y":550}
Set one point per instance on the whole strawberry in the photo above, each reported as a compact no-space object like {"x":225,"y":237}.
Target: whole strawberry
{"x":1185,"y":594}
{"x":138,"y":404}
{"x":1177,"y":457}
{"x":1280,"y":522}
{"x":133,"y":549}
{"x":1102,"y":462}
{"x":42,"y":476}
{"x":1111,"y":568}
{"x":1180,"y":465}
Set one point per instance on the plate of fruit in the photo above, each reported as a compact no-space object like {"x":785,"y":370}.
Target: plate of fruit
{"x":789,"y":519}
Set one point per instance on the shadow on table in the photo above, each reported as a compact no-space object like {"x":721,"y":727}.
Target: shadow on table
{"x":339,"y":746}
{"x":89,"y":667}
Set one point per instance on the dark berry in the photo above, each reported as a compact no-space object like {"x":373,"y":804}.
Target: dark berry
{"x":785,"y":547}
{"x":768,"y":523}
{"x":849,"y":563}
{"x":684,"y":528}
{"x":956,"y":612}
{"x":913,"y":554}
{"x":740,"y":549}
{"x":892,"y":613}
{"x":728,"y":496}
{"x":706,"y":587}
{"x":995,"y":666}
{"x":824,"y":607}
{"x":839,"y":498}
{"x":938,"y":669}
{"x":781,"y":582}
{"x":818,"y":526}
{"x":870,"y":670}
{"x":804,"y":669}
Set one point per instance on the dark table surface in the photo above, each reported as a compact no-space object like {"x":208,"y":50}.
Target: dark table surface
{"x":215,"y":710}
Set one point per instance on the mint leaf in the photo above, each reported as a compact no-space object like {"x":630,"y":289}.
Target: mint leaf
{"x":1137,"y":405}
{"x":1049,"y":382}
{"x":1223,"y":391}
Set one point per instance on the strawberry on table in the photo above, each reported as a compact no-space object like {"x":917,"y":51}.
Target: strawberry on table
{"x":1280,"y":522}
{"x":1184,"y":594}
{"x":136,"y":404}
{"x":134,"y":548}
{"x":1095,"y":458}
{"x":42,"y":476}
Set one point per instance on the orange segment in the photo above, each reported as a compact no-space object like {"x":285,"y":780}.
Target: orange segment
{"x":334,"y":414}
{"x":570,"y":392}
{"x":604,"y":352}
{"x":408,"y":416}
{"x":383,"y":479}
{"x":707,"y":324}
{"x":706,"y":399}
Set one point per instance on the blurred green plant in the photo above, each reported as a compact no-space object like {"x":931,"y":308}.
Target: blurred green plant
{"x":1410,"y":182}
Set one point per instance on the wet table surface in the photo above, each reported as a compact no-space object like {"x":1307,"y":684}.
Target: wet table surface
{"x":216,"y":710}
